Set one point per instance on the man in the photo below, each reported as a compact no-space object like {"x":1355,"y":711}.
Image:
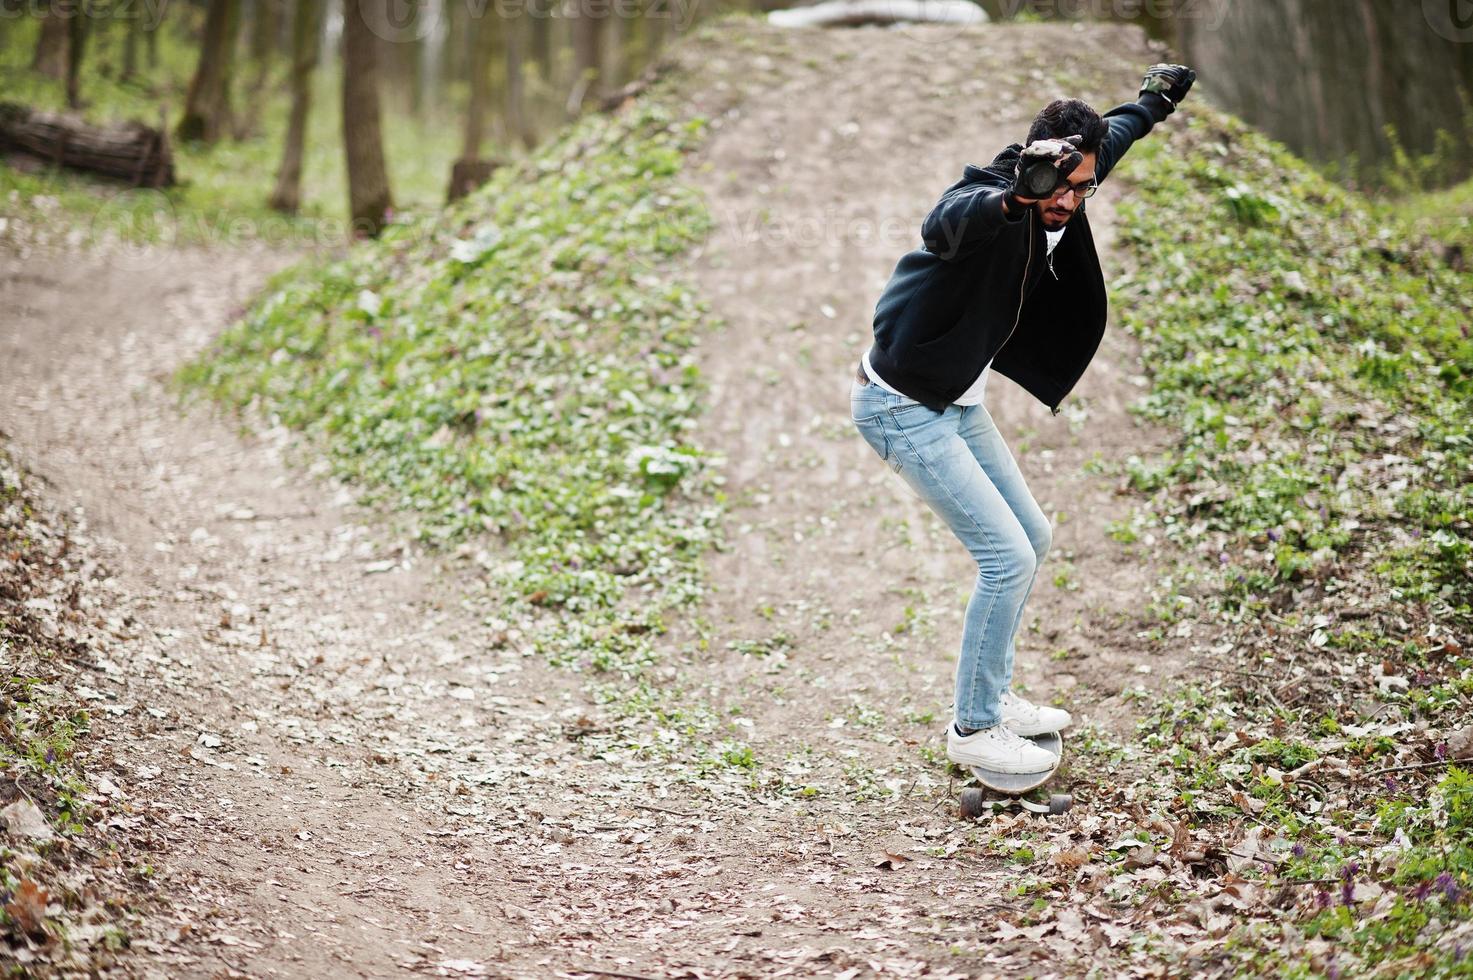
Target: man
{"x":998,"y":284}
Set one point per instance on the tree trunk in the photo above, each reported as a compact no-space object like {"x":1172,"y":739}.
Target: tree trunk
{"x":207,"y":107}
{"x":517,"y":119}
{"x":134,"y":27}
{"x":151,"y":35}
{"x":75,"y":47}
{"x":587,"y":48}
{"x":477,"y":37}
{"x":128,"y":151}
{"x":540,"y":34}
{"x":306,"y":22}
{"x":50,"y":56}
{"x":368,"y":179}
{"x":614,"y":55}
{"x":263,"y":21}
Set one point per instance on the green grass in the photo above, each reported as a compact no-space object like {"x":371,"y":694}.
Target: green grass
{"x":1290,"y":335}
{"x":1444,"y":216}
{"x":518,"y":372}
{"x":1314,"y":360}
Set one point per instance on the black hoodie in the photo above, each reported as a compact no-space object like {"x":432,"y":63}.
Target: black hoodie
{"x":980,"y":289}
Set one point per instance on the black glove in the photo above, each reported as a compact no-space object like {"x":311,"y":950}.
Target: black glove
{"x":1042,"y":167}
{"x":1163,"y":87}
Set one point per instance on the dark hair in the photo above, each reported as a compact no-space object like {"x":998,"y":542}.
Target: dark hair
{"x":1066,"y":117}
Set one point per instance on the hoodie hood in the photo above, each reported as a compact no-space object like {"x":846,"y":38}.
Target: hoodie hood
{"x":1001,"y":169}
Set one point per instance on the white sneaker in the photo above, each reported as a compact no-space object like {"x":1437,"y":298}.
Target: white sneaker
{"x":1027,"y":718}
{"x":998,"y":748}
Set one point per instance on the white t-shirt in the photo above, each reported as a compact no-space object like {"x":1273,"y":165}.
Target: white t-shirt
{"x":973,"y":395}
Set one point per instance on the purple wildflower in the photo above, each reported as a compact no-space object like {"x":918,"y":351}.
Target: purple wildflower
{"x":1273,"y":535}
{"x":1222,"y":558}
{"x":1298,"y":850}
{"x":1450,"y":889}
{"x":1423,"y":889}
{"x":1321,"y":898}
{"x":1350,"y":869}
{"x":1441,"y":751}
{"x":1391,"y":784}
{"x":1347,"y":892}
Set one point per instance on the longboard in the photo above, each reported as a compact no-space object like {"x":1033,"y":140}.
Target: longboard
{"x":1005,"y":789}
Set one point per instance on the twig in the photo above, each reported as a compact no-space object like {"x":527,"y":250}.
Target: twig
{"x":613,"y":973}
{"x":659,"y":809}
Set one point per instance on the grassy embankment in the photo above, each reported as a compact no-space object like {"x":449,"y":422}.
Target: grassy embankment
{"x":1317,"y":363}
{"x":521,"y":365}
{"x":223,"y":188}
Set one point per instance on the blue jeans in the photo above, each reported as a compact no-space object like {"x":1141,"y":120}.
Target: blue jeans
{"x":957,"y":462}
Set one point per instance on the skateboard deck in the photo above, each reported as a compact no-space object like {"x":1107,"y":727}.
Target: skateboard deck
{"x":1006,"y":789}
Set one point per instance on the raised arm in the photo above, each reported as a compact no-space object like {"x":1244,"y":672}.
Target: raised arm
{"x":1161,"y":89}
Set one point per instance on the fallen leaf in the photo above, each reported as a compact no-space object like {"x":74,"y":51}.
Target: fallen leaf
{"x":28,"y":908}
{"x":894,"y":862}
{"x":1071,"y":858}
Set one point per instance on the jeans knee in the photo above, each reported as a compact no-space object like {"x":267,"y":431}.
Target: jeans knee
{"x":1042,"y":540}
{"x":1010,"y":564}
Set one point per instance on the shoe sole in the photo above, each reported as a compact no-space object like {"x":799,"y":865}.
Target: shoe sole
{"x":1028,"y":732}
{"x":1011,"y":770}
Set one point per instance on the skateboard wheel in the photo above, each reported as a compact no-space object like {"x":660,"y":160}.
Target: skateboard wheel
{"x":974,"y":803}
{"x":1060,"y":802}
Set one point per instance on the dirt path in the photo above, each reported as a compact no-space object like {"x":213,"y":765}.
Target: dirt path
{"x":353,"y":770}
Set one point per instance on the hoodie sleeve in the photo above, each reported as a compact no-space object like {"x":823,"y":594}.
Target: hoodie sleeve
{"x":1128,"y":123}
{"x":968,"y":213}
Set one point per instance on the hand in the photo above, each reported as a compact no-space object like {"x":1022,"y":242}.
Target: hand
{"x":1171,"y":82}
{"x":1042,"y":167}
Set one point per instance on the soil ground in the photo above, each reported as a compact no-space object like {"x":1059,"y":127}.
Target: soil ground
{"x":359,"y":775}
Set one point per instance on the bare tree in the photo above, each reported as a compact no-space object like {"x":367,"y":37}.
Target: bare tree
{"x":306,"y":23}
{"x":588,"y":31}
{"x":50,"y":56}
{"x":134,"y":29}
{"x":518,"y":120}
{"x":76,"y":45}
{"x":264,"y":20}
{"x":207,"y":106}
{"x":369,"y":199}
